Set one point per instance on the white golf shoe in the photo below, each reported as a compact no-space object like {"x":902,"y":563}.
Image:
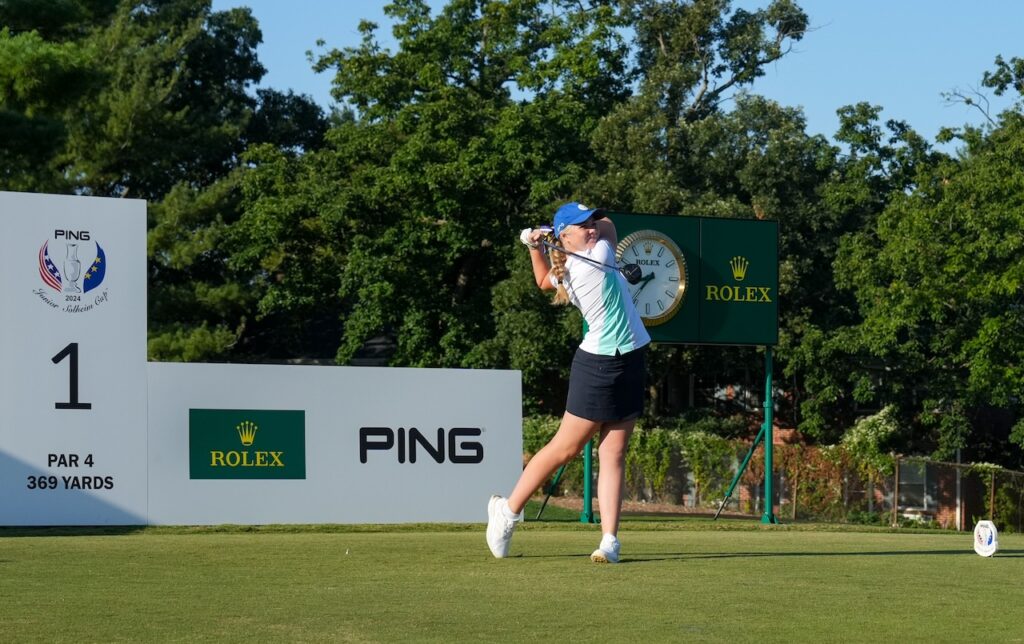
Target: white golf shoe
{"x":608,"y":551}
{"x":499,"y":527}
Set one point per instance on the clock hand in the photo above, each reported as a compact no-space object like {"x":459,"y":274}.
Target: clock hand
{"x":647,"y":278}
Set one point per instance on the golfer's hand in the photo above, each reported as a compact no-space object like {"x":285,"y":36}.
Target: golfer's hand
{"x":531,"y":237}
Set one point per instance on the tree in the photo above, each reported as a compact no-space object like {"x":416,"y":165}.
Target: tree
{"x":175,"y":123}
{"x":151,"y":99}
{"x":41,"y":81}
{"x":173,"y":107}
{"x":58,"y":21}
{"x":692,"y":54}
{"x":127,"y":99}
{"x":199,"y":308}
{"x":414,"y":203}
{"x":673,"y":148}
{"x":938,"y":282}
{"x":879,"y":164}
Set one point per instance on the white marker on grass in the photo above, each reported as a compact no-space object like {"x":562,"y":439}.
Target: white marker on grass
{"x":986,"y":538}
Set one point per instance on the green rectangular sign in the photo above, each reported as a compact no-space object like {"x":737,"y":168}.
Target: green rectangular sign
{"x":727,"y":272}
{"x":739,"y":281}
{"x":247,"y":444}
{"x":639,"y":234}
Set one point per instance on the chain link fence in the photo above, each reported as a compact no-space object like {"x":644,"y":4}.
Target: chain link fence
{"x":693,"y":470}
{"x":826,"y":484}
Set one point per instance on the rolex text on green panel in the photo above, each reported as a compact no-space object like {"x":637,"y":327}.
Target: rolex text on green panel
{"x":739,"y":282}
{"x":247,"y":444}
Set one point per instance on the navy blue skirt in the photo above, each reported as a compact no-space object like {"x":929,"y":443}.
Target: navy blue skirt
{"x":607,"y":388}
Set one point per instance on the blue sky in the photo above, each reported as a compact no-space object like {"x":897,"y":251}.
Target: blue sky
{"x":900,"y":54}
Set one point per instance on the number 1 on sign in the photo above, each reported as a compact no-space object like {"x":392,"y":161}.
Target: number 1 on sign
{"x":71,"y":350}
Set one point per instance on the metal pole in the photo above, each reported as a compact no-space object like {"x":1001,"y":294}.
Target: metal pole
{"x":992,"y":496}
{"x":550,"y":490}
{"x":769,"y":513}
{"x":895,"y":490}
{"x":587,"y":515}
{"x":739,"y":472}
{"x":796,"y":486}
{"x":959,"y":497}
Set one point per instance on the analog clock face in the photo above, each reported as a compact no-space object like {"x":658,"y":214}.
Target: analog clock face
{"x":660,"y":291}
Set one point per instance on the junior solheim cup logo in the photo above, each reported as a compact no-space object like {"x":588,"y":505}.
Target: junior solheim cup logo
{"x":72,"y":271}
{"x":247,"y":432}
{"x":72,"y":265}
{"x":739,"y":268}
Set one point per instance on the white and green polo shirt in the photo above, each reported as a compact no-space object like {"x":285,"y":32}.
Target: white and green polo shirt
{"x":602,"y":296}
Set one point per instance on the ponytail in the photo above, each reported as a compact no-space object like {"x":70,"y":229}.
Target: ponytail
{"x":558,"y":268}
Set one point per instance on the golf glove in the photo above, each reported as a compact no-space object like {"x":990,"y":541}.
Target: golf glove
{"x":524,"y":237}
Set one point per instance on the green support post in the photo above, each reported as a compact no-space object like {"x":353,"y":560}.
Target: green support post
{"x":739,"y":472}
{"x":587,"y":515}
{"x":769,"y":508}
{"x":549,"y":490}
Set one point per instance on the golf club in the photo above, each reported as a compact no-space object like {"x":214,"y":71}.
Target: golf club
{"x":631,"y":272}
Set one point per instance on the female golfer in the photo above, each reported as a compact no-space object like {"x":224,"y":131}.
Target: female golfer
{"x":606,"y":383}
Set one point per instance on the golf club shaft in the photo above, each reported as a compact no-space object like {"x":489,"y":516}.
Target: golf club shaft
{"x":577,"y":255}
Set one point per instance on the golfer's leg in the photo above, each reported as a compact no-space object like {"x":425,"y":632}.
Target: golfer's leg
{"x":611,"y":476}
{"x":572,"y":435}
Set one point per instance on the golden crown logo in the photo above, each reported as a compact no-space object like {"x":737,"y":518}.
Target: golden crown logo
{"x":648,"y":247}
{"x":739,"y":268}
{"x":247,"y":432}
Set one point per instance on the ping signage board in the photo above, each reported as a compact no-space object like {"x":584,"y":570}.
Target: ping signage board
{"x":92,"y":434}
{"x":730,"y":283}
{"x":73,"y":361}
{"x":256,"y":444}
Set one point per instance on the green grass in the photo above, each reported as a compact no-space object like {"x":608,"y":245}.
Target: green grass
{"x":680,"y":580}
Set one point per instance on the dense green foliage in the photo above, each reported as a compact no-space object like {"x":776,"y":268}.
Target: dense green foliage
{"x":386,"y":230}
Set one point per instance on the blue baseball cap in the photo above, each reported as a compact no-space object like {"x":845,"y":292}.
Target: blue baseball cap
{"x":570,"y":214}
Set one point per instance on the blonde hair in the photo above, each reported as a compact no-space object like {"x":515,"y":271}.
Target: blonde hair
{"x":558,"y":268}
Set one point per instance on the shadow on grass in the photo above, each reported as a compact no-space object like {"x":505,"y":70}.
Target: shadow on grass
{"x":71,"y":531}
{"x":685,"y":556}
{"x":229,"y":528}
{"x":669,"y":556}
{"x":565,"y":555}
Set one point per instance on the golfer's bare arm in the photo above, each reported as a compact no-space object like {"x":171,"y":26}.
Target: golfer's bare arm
{"x":606,"y":230}
{"x":541,"y":269}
